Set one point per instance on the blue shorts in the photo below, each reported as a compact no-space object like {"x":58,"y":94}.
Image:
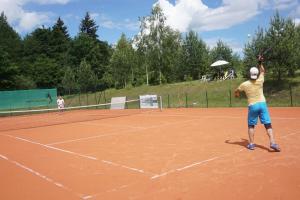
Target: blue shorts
{"x":260,"y":110}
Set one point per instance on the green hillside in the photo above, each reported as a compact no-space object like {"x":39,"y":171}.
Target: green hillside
{"x":198,"y":94}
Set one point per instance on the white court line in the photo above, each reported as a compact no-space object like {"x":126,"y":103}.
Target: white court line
{"x":44,"y":177}
{"x":81,"y":155}
{"x":193,"y":165}
{"x":219,"y":116}
{"x":126,"y":167}
{"x":207,"y":160}
{"x":109,"y":125}
{"x":86,"y":138}
{"x":53,"y":148}
{"x":289,"y":134}
{"x":118,"y":132}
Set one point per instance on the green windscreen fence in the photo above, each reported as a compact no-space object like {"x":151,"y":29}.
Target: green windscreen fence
{"x":27,"y":99}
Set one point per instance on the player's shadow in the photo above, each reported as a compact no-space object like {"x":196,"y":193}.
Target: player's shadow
{"x":245,"y":142}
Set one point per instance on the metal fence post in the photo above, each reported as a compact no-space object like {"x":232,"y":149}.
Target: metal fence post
{"x":186,"y":100}
{"x":206,"y":98}
{"x":230,"y":103}
{"x":79,"y":98}
{"x":291,"y":95}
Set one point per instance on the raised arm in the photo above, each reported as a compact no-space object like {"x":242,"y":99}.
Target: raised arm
{"x":260,"y":64}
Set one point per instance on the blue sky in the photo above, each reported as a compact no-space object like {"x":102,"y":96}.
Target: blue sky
{"x":228,"y":20}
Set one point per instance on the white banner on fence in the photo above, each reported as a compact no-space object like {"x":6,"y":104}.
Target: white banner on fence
{"x":117,"y":103}
{"x":148,"y":101}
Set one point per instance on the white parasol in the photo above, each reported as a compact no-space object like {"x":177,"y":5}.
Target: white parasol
{"x":219,"y":63}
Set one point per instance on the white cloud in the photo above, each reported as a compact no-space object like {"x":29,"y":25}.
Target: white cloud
{"x":30,"y":20}
{"x":94,"y":15}
{"x":127,"y":24}
{"x":284,"y":4}
{"x":187,"y":15}
{"x":25,"y":20}
{"x":45,"y":2}
{"x":295,"y":14}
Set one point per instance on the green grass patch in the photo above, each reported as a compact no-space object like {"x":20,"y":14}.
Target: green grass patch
{"x":198,"y":94}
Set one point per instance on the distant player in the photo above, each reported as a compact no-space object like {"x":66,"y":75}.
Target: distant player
{"x":60,"y":103}
{"x":257,"y":106}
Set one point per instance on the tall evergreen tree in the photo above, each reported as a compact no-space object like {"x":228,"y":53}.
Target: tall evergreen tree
{"x":69,"y":80}
{"x":280,"y":46}
{"x":195,"y":57}
{"x":46,"y":72}
{"x":10,"y":54}
{"x":252,"y":49}
{"x":221,"y":51}
{"x":95,"y":53}
{"x":10,"y":41}
{"x":281,"y":38}
{"x":87,"y":80}
{"x":123,"y":63}
{"x":60,"y":38}
{"x":88,"y":26}
{"x":59,"y":28}
{"x":60,"y":44}
{"x":38,"y":43}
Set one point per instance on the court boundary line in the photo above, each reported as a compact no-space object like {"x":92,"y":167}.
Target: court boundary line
{"x":154,"y":176}
{"x":40,"y":175}
{"x":219,"y":116}
{"x":129,"y":131}
{"x":110,"y":163}
{"x":209,"y":160}
{"x":194,"y":165}
{"x":133,"y":131}
{"x":74,"y":122}
{"x":194,"y":118}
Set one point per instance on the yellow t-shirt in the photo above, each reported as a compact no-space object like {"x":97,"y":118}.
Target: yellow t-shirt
{"x":254,"y":90}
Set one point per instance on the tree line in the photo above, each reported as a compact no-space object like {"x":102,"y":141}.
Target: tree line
{"x":49,"y":58}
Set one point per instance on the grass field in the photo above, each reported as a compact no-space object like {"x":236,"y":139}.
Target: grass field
{"x":199,"y":94}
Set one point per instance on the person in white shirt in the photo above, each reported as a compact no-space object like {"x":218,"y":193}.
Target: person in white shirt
{"x":60,"y":103}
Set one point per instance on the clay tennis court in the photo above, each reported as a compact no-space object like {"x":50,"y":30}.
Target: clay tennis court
{"x":170,"y":154}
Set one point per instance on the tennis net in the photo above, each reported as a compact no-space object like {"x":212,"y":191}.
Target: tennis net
{"x":25,"y":119}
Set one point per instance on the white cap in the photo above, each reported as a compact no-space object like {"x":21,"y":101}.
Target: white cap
{"x":254,"y":73}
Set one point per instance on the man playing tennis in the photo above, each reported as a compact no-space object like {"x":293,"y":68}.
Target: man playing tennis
{"x":60,"y":104}
{"x":257,"y":106}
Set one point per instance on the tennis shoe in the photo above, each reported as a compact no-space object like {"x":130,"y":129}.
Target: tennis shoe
{"x":251,"y":146}
{"x":275,"y":147}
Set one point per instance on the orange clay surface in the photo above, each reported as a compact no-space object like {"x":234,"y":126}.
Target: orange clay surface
{"x":176,"y":154}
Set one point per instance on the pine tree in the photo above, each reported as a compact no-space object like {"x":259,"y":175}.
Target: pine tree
{"x":60,"y":43}
{"x":10,"y":54}
{"x":10,"y":41}
{"x":59,"y":28}
{"x":88,"y":26}
{"x":123,"y":63}
{"x":194,"y":57}
{"x":69,"y":81}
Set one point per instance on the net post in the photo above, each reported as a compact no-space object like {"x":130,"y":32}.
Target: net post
{"x":160,"y":103}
